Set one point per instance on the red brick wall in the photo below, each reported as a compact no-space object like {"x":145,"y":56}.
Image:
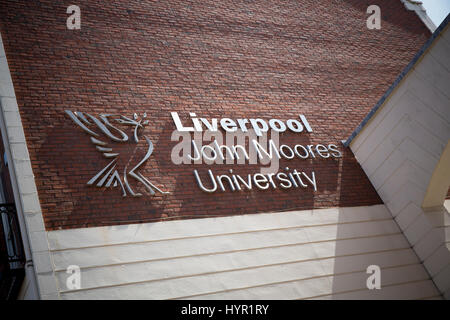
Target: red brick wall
{"x":269,"y":59}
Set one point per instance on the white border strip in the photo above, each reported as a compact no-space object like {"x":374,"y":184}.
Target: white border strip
{"x":39,"y":266}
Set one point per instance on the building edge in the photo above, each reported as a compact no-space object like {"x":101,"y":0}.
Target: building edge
{"x":39,"y":282}
{"x":397,"y":81}
{"x":417,"y":7}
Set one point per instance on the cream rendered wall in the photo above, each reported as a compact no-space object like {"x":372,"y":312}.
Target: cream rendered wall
{"x":292,"y":255}
{"x":400,"y":147}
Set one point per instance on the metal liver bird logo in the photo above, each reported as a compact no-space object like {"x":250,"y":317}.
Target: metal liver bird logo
{"x":109,"y":176}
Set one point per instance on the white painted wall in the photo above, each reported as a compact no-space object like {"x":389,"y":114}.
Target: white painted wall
{"x":400,"y":147}
{"x":292,"y":255}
